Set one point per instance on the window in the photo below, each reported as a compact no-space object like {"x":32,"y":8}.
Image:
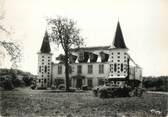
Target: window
{"x":90,"y":69}
{"x":111,"y":69}
{"x":100,"y":82}
{"x":79,"y":69}
{"x":39,"y":80}
{"x":59,"y":69}
{"x":59,"y":81}
{"x":121,"y":66}
{"x":90,"y":82}
{"x":118,"y":57}
{"x":118,"y":53}
{"x":101,"y":69}
{"x":42,"y":56}
{"x":115,"y":67}
{"x":81,"y":55}
{"x":45,"y":69}
{"x":118,"y":60}
{"x":39,"y":68}
{"x":44,"y":80}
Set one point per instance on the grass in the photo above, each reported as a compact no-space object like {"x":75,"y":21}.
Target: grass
{"x":27,"y":102}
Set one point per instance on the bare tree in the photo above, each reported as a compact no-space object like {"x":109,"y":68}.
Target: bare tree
{"x":12,"y":47}
{"x":13,"y":50}
{"x":64,"y":32}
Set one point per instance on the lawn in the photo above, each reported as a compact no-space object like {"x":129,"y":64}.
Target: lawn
{"x":27,"y":102}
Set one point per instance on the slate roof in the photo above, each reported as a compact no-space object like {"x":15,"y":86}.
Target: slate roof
{"x":45,"y":47}
{"x":118,"y":41}
{"x":90,"y":48}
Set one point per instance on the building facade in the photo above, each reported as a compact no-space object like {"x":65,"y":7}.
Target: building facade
{"x":89,"y":66}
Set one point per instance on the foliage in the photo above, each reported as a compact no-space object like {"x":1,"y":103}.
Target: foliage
{"x":156,"y":83}
{"x":28,"y":80}
{"x":16,"y":82}
{"x":12,"y":74}
{"x":64,"y":32}
{"x":7,"y":84}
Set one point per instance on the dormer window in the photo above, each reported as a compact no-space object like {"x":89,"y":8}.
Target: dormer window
{"x":81,"y":55}
{"x":93,"y":57}
{"x":104,"y":57}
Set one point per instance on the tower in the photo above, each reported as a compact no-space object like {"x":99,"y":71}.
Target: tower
{"x":118,"y":56}
{"x":44,"y":64}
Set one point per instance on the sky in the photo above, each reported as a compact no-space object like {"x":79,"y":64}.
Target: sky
{"x":144,"y":25}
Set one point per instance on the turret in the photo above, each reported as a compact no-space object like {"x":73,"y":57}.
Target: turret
{"x":44,"y":64}
{"x":118,"y":56}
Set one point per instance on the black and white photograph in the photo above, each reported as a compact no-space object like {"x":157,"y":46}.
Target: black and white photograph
{"x":83,"y":58}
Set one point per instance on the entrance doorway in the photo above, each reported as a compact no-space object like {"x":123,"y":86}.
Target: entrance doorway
{"x":79,"y":83}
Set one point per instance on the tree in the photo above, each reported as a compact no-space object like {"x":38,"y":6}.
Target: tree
{"x":64,"y":32}
{"x":7,"y":83}
{"x":12,"y":48}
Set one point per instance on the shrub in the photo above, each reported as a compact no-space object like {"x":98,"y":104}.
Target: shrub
{"x":33,"y":86}
{"x":41,"y":88}
{"x":71,"y":89}
{"x":85,"y":87}
{"x":16,"y":83}
{"x":61,"y":87}
{"x":7,"y":84}
{"x":103,"y":93}
{"x":53,"y":87}
{"x":27,"y":80}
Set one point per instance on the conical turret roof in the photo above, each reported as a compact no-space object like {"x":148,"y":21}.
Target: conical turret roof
{"x":45,"y":47}
{"x":118,"y":41}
